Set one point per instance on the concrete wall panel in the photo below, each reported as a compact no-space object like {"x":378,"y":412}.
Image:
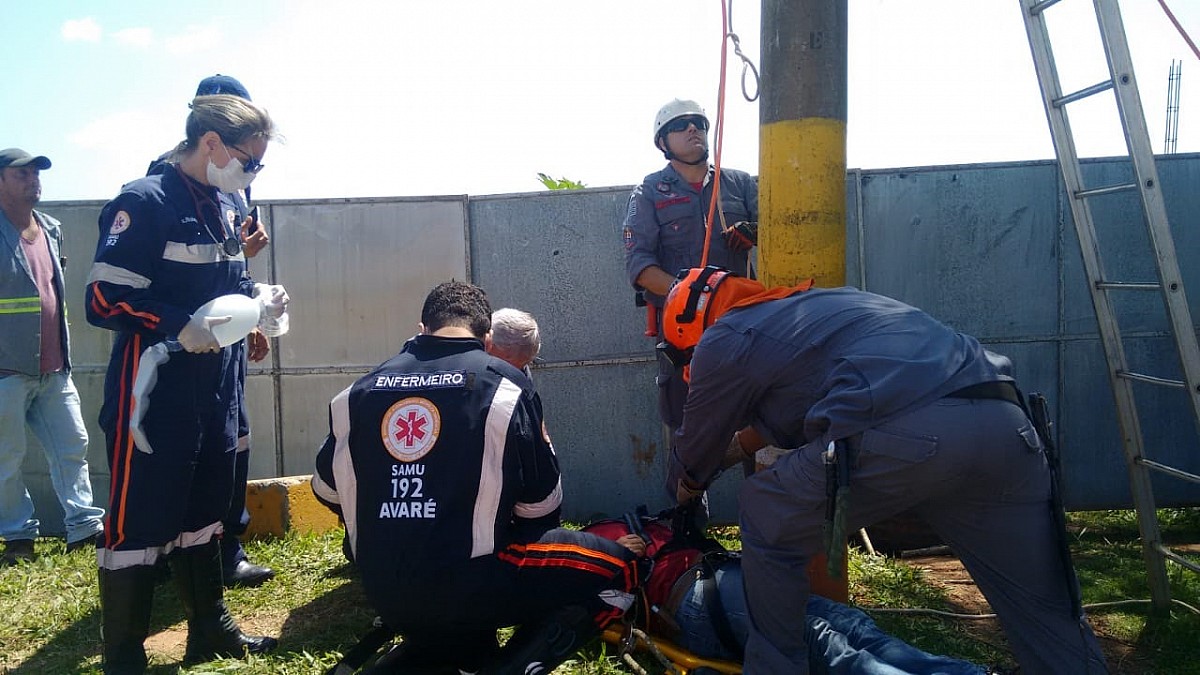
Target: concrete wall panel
{"x":989,"y":249}
{"x":357,"y":273}
{"x":304,"y":405}
{"x":610,"y":443}
{"x":973,"y":246}
{"x":558,"y":256}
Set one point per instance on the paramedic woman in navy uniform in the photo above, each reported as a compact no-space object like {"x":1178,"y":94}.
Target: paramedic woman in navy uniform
{"x":168,"y":244}
{"x":236,"y":567}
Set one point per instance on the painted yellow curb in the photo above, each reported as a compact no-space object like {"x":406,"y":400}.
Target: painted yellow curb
{"x":281,"y":505}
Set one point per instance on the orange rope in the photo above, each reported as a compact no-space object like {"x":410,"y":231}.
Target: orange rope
{"x":1178,"y":27}
{"x":718,"y":135}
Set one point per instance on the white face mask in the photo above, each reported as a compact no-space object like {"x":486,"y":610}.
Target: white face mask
{"x":230,"y":179}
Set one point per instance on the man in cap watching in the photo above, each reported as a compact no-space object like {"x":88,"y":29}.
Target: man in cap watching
{"x":36,"y":389}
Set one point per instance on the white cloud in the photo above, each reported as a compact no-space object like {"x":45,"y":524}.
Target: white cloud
{"x":135,"y":37}
{"x":115,"y":148}
{"x":194,"y":39}
{"x":81,"y":30}
{"x":140,"y":132}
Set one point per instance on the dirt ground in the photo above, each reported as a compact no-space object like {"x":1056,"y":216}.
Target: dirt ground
{"x":167,"y":646}
{"x":948,"y":573}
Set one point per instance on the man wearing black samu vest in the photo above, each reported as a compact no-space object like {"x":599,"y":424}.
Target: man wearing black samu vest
{"x":439,"y":463}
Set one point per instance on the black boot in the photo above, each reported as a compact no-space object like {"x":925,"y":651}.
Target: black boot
{"x":212,"y":632}
{"x":126,"y":596}
{"x":538,"y":648}
{"x":438,"y":654}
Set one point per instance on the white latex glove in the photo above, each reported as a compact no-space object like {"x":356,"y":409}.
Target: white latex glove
{"x":272,"y":326}
{"x":197,"y":336}
{"x":274,"y":299}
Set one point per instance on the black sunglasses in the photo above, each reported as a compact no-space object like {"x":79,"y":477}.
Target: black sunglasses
{"x":251,"y":165}
{"x":682,"y":123}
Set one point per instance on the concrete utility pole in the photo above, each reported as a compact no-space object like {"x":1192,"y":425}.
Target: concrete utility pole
{"x":802,"y":163}
{"x":802,"y":167}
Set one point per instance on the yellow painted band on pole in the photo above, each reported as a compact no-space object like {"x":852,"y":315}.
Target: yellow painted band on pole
{"x":802,"y":202}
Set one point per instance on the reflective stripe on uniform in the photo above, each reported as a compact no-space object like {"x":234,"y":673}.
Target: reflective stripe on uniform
{"x":197,"y":254}
{"x":346,"y":494}
{"x":542,"y":508}
{"x":491,"y":476}
{"x":108,"y":559}
{"x":21,"y":305}
{"x":101,"y":307}
{"x":121,"y":461}
{"x":117,"y":275}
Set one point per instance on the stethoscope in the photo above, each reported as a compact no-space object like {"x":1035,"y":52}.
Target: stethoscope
{"x":231,"y":245}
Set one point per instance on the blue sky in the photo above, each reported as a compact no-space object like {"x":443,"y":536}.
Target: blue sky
{"x":430,"y":97}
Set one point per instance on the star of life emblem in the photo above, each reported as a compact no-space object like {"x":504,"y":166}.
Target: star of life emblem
{"x":410,"y":428}
{"x":121,"y":222}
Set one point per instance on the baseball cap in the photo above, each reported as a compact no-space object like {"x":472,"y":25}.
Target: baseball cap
{"x":222,"y":84}
{"x":18,"y":157}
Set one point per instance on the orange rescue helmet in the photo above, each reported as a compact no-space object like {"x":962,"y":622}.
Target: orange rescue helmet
{"x":689,"y":306}
{"x":703,"y":295}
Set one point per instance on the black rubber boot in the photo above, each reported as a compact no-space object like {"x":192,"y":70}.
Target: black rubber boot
{"x":444,"y":654}
{"x":212,"y":632}
{"x":126,"y":596}
{"x":408,"y":659}
{"x":538,"y":648}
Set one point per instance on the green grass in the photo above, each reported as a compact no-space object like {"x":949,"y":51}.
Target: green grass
{"x":1107,"y":551}
{"x":51,"y":621}
{"x":1108,"y":559}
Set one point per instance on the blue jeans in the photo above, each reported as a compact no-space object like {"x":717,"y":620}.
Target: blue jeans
{"x":49,"y":404}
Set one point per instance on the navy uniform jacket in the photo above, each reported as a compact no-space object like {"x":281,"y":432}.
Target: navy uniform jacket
{"x":436,"y":457}
{"x":823,"y":365}
{"x":664,"y":223}
{"x":157,"y":262}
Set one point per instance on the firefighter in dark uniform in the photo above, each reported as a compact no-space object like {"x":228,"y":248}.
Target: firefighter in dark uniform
{"x":167,"y":246}
{"x":439,"y":464}
{"x":664,"y":228}
{"x":923,"y":418}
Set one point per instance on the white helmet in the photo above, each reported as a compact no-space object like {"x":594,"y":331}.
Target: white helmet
{"x":674,"y":110}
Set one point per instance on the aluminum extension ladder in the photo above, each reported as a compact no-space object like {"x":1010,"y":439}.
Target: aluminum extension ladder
{"x":1121,"y":81}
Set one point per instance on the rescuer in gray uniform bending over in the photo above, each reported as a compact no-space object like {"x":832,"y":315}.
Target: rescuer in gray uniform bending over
{"x":918,"y":417}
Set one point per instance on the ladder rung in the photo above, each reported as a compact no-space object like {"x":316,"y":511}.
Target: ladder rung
{"x":1127,"y":286}
{"x":1169,"y":470}
{"x":1109,"y":189}
{"x":1178,"y":558}
{"x":1041,"y":6}
{"x":1083,"y":93}
{"x":1150,"y":379}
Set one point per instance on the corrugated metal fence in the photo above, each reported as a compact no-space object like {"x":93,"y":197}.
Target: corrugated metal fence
{"x":988,"y":249}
